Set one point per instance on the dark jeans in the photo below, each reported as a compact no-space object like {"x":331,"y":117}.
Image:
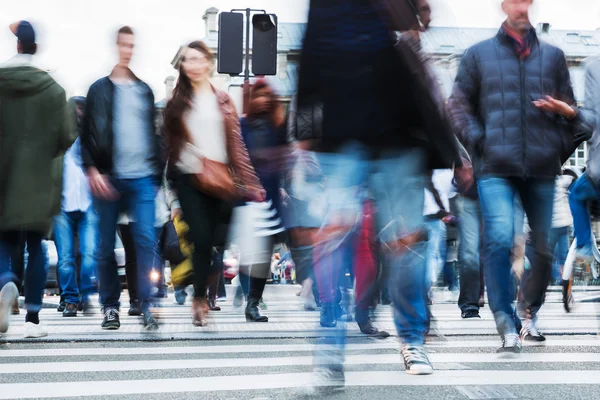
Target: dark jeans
{"x":202,"y":213}
{"x":498,"y":209}
{"x":18,"y":261}
{"x":136,"y":196}
{"x":68,"y":225}
{"x":131,"y":268}
{"x":35,"y":273}
{"x":469,"y":214}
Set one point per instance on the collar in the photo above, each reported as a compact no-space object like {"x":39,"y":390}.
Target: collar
{"x":20,"y":60}
{"x":506,"y":33}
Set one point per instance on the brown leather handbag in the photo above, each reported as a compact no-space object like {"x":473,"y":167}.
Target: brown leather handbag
{"x":216,"y":179}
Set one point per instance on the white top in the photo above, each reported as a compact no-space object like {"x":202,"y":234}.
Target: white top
{"x":442,"y":181}
{"x":561,"y":216}
{"x":207,"y":133}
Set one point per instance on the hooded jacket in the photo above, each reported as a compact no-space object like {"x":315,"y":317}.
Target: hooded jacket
{"x":36,"y":128}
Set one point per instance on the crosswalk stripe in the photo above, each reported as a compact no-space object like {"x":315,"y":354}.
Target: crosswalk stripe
{"x":363,"y":359}
{"x":291,"y":380}
{"x":212,"y":349}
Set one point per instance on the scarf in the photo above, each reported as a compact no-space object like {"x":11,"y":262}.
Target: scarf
{"x":522,"y":43}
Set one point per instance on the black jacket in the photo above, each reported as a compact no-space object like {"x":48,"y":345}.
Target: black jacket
{"x":304,"y":123}
{"x":491,"y":106}
{"x":97,"y":134}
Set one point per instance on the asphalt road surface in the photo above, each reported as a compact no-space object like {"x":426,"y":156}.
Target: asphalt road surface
{"x":231,"y":359}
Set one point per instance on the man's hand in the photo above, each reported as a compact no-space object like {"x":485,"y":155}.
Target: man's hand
{"x":176,"y":212}
{"x":464,"y":176}
{"x":100,"y":186}
{"x":552,"y":105}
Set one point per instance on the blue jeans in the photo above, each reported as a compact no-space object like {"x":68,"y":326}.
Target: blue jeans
{"x":469,"y":214}
{"x":66,"y":226}
{"x":436,"y":249}
{"x":498,"y":207}
{"x":136,"y":196}
{"x":36,"y":271}
{"x":396,"y":180}
{"x":582,"y":191}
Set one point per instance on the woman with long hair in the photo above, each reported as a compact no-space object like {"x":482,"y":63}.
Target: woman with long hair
{"x":204,"y":149}
{"x":264,"y":133}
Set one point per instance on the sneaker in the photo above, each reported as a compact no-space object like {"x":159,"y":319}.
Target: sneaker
{"x":530,"y":332}
{"x":416,"y":360}
{"x":70,"y":310}
{"x":150,"y":322}
{"x":180,"y":297}
{"x":369,"y":329}
{"x":511,"y":343}
{"x":8,"y":294}
{"x":467,"y":314}
{"x":61,"y":306}
{"x":329,"y":377}
{"x":111,"y":319}
{"x":135,"y":308}
{"x":32,"y":331}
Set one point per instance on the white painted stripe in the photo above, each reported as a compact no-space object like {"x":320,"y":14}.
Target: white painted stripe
{"x":294,"y":380}
{"x":363,"y":359}
{"x":208,"y":349}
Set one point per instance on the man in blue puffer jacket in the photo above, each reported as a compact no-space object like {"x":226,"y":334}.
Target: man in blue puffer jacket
{"x":513,"y":109}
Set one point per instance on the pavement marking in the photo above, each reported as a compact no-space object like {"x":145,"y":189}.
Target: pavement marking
{"x":486,"y":392}
{"x":293,"y":380}
{"x":362,"y":359}
{"x":209,"y":349}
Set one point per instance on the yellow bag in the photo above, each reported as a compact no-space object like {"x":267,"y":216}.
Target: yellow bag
{"x":181,"y":273}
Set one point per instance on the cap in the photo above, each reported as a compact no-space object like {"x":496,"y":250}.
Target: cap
{"x":24,"y":32}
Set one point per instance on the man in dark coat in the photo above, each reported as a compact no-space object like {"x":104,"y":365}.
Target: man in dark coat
{"x":35,"y":131}
{"x":513,"y":108}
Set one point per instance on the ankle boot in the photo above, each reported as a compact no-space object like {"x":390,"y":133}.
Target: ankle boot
{"x":199,"y":308}
{"x":253,"y":313}
{"x":328,"y":319}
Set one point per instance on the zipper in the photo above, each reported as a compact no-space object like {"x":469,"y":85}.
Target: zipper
{"x":523,"y":111}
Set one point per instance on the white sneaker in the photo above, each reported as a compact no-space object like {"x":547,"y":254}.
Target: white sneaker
{"x":31,"y":330}
{"x":416,"y":360}
{"x":8,"y":294}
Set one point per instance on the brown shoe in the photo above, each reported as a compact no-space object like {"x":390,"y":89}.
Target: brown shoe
{"x":199,"y":312}
{"x":15,"y":308}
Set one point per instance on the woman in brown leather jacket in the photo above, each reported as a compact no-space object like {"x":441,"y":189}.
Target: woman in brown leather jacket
{"x":201,"y":123}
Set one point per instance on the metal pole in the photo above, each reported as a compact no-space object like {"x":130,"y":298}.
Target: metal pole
{"x":246,"y":90}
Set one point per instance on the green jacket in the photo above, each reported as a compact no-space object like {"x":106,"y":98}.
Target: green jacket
{"x":36,"y":128}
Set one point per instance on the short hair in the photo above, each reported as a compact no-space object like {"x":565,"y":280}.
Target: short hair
{"x":28,"y":48}
{"x":125,"y":30}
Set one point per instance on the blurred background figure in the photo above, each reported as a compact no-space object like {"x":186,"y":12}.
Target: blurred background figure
{"x":375,"y":99}
{"x":36,"y":121}
{"x":123,"y":160}
{"x":264,"y":133}
{"x":202,"y":131}
{"x":77,"y":219}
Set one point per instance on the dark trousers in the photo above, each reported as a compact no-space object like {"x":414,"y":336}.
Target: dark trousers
{"x":202,"y":214}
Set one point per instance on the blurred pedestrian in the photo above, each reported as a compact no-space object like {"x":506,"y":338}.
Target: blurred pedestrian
{"x":504,"y":117}
{"x":352,"y":63}
{"x":76,"y":219}
{"x":264,"y":134}
{"x":203,"y":141}
{"x":35,"y":130}
{"x":121,"y":154}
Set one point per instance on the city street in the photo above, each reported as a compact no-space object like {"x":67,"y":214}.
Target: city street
{"x":231,"y":359}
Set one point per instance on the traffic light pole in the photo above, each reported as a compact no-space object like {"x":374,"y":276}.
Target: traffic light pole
{"x":246,"y":86}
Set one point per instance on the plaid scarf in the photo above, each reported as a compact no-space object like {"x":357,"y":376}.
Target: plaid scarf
{"x":522,"y":43}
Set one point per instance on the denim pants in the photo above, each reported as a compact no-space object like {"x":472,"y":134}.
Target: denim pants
{"x":36,"y":271}
{"x":582,"y":191}
{"x":498,"y":207}
{"x":469,"y":213}
{"x":395,"y":179}
{"x":67,"y":225}
{"x":436,"y":249}
{"x":136,"y":196}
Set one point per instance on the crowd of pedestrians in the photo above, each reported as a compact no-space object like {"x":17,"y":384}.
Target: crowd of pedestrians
{"x":371,"y":177}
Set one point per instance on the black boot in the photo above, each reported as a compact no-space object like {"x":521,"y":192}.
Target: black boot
{"x":252,"y":311}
